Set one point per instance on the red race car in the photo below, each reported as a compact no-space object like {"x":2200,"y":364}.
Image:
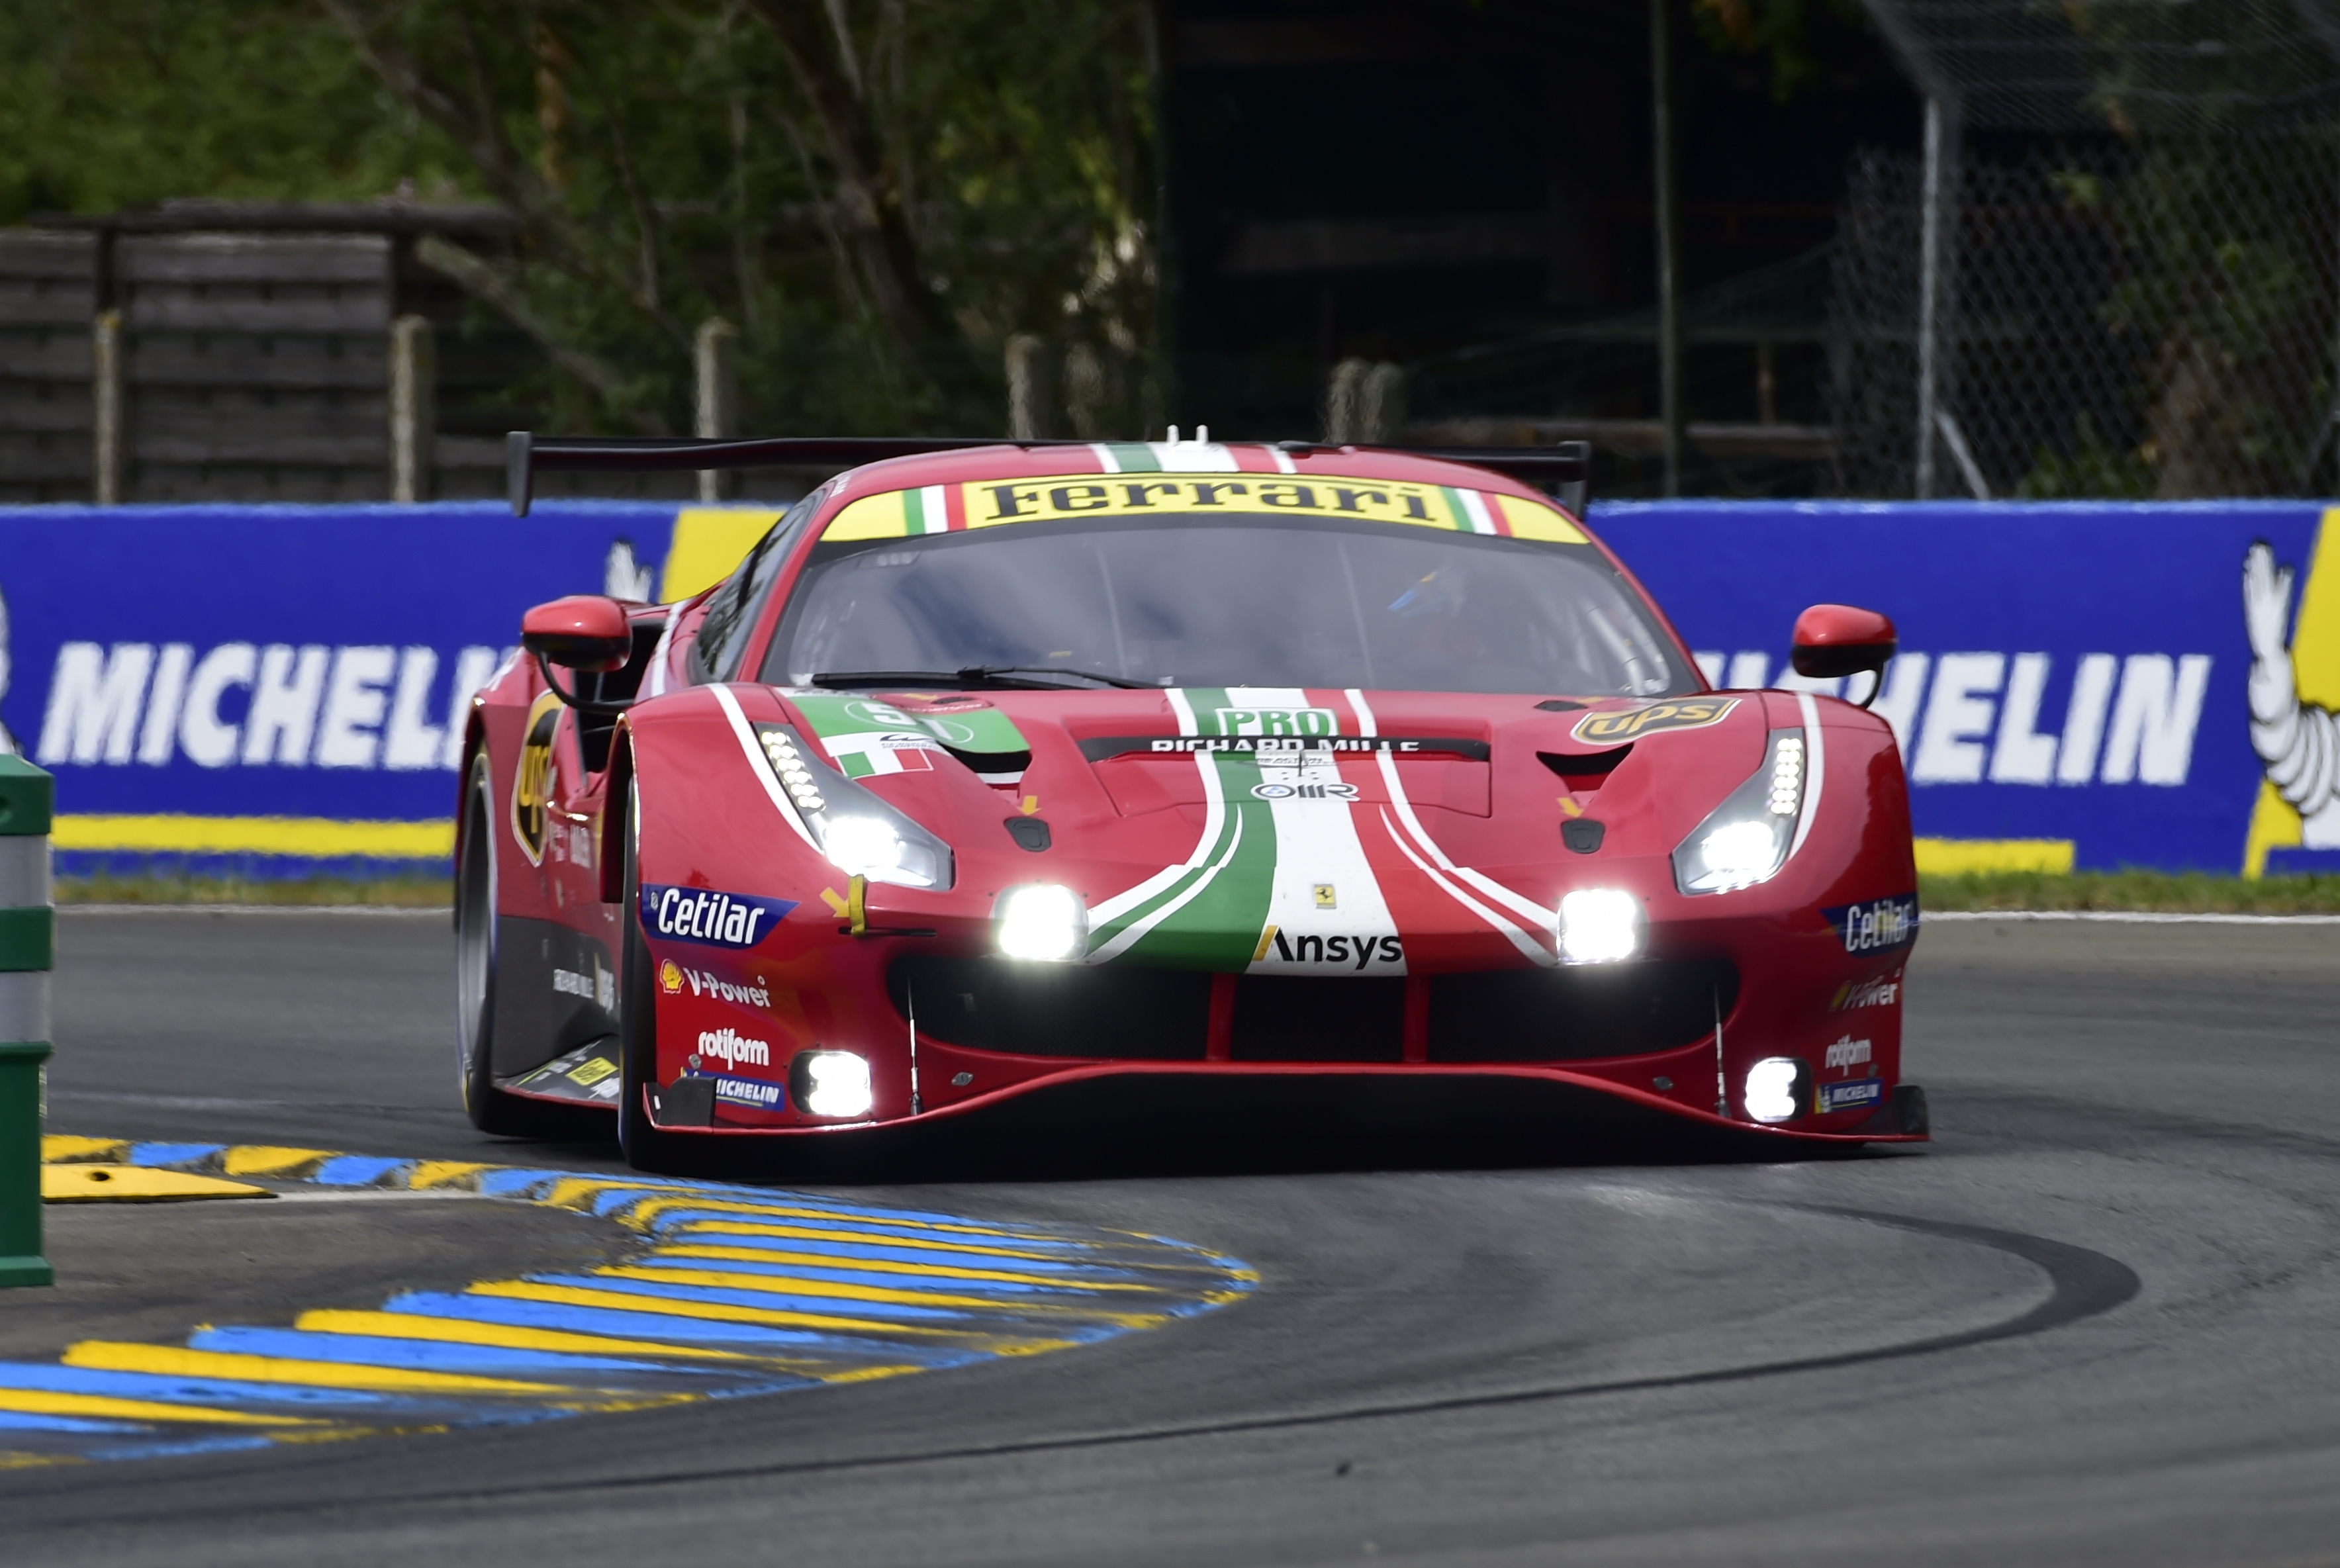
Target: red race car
{"x":994,"y":769}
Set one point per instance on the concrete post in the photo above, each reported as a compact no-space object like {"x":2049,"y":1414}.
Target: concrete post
{"x":715,"y":365}
{"x":27,"y":953}
{"x":107,"y":441}
{"x":413,"y":409}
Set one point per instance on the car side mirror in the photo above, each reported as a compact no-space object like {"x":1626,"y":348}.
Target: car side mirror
{"x":1833,"y":641}
{"x":585,"y":632}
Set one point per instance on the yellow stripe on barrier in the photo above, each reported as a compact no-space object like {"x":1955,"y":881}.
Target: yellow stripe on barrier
{"x":114,"y":1355}
{"x":314,"y":837}
{"x":1967,"y":857}
{"x":709,"y":542}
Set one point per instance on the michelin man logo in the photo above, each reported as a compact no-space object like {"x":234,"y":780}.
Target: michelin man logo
{"x":623,"y":577}
{"x":2297,"y":742}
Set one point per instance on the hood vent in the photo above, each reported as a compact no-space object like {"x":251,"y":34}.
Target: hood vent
{"x":1586,"y":771}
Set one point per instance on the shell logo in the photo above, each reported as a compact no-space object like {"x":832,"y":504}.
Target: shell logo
{"x":670,"y":976}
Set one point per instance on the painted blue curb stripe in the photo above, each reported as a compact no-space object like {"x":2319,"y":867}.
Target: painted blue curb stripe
{"x":775,"y":1300}
{"x":1068,"y":1293}
{"x":421,"y":1354}
{"x":175,"y":1448}
{"x":650,"y":1324}
{"x":26,"y":1421}
{"x":168,"y":1389}
{"x":978,"y":1245}
{"x":356,"y":1170}
{"x":914,"y":1254}
{"x":172,"y":1154}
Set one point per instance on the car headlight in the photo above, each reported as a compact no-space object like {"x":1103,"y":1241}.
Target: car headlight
{"x":861,"y":835}
{"x":1043,"y":921}
{"x":1745,"y":840}
{"x":1599,"y":926}
{"x":831,"y":1084}
{"x":1776,"y":1088}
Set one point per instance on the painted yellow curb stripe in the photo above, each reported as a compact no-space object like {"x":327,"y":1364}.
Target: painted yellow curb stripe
{"x":890,"y":1266}
{"x":92,"y":1182}
{"x":723,"y":1311}
{"x":40,"y":1402}
{"x":263,"y":1159}
{"x":113,"y":1356}
{"x":790,"y":1284}
{"x":316,"y":838}
{"x":462,"y":1331}
{"x":57,"y":1146}
{"x":860,"y":1237}
{"x":650,"y":1208}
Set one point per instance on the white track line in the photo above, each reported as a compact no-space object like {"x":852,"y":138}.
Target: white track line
{"x":440,"y":912}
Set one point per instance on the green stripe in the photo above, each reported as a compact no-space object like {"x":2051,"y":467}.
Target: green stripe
{"x":914,"y":511}
{"x":1455,"y":509}
{"x":28,"y":939}
{"x":1219,"y":929}
{"x":1135,"y":456}
{"x":27,"y":798}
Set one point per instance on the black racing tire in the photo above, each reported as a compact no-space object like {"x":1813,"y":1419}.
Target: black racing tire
{"x":646,"y":1146}
{"x":490,"y":1109}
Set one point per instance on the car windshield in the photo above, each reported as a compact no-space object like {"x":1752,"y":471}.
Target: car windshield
{"x":1229,"y":600}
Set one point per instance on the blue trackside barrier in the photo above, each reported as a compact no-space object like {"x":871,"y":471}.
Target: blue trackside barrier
{"x":277,"y":690}
{"x":2078,"y":680}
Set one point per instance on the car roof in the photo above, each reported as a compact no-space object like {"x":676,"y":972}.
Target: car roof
{"x":1009,"y":461}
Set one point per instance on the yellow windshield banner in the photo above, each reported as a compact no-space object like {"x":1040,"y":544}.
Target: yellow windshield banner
{"x":987,"y":503}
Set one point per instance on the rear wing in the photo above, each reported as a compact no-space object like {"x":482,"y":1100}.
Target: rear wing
{"x":1562,"y":469}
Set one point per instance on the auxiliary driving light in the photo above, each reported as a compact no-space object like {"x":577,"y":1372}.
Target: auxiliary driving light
{"x":1599,"y":926}
{"x":1043,"y":921}
{"x":1777,"y":1087}
{"x":831,"y":1084}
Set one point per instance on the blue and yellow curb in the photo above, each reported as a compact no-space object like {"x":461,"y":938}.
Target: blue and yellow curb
{"x":737,"y":1290}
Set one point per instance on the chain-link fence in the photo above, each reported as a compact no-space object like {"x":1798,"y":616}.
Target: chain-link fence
{"x":2116,"y":271}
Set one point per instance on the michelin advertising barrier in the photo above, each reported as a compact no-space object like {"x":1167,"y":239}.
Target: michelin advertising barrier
{"x":277,"y":690}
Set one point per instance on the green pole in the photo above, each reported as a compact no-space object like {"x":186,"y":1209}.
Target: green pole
{"x":28,"y":945}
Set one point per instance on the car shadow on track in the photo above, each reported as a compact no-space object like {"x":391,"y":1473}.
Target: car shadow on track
{"x":1169,"y":1126}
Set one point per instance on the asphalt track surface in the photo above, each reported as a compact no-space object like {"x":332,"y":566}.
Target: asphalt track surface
{"x":2093,"y":1322}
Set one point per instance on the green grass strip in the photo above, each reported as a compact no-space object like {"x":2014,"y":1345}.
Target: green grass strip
{"x":383,"y":892}
{"x":2155,"y":892}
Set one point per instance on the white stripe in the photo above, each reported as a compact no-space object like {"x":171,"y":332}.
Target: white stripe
{"x":1476,"y":505}
{"x":656,"y":676}
{"x":1815,"y":770}
{"x":1215,"y":812}
{"x":1282,"y":460}
{"x":1183,"y":710}
{"x":1193,"y":457}
{"x":1316,"y":842}
{"x":758,"y":764}
{"x":1535,"y":951}
{"x":1527,"y":909}
{"x":1367,"y":723}
{"x":1106,"y":459}
{"x":934,"y":515}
